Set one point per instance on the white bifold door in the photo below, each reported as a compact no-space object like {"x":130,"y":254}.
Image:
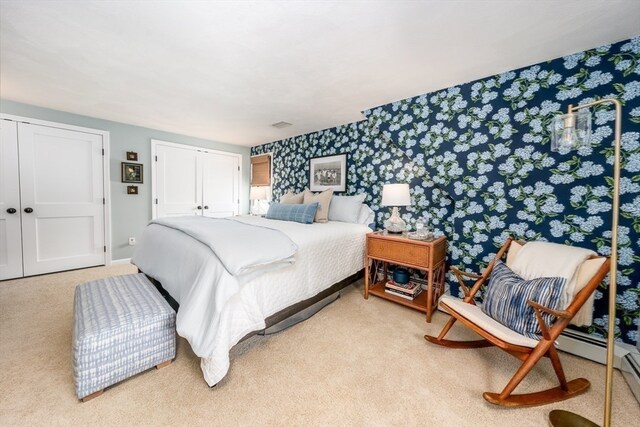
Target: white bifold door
{"x":195,"y":181}
{"x":52,"y":215}
{"x":10,"y":223}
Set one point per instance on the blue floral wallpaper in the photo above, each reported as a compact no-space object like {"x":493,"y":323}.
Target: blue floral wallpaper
{"x":478,"y":159}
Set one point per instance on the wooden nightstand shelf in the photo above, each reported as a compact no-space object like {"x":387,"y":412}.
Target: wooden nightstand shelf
{"x":427,"y":257}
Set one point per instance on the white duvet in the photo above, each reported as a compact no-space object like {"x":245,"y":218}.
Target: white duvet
{"x":215,"y":310}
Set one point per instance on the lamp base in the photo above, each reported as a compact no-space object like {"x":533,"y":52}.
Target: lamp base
{"x":560,"y":418}
{"x":395,"y":224}
{"x":393,"y":232}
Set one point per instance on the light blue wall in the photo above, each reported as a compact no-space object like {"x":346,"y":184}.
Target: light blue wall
{"x":129,"y":213}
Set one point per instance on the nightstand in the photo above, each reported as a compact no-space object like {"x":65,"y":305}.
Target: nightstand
{"x":425,"y":256}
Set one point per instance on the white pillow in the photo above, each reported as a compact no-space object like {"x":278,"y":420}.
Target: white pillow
{"x":346,"y":208}
{"x":366,"y":215}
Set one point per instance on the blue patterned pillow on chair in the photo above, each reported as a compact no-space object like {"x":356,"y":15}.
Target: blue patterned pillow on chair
{"x":507,"y":294}
{"x":289,"y":212}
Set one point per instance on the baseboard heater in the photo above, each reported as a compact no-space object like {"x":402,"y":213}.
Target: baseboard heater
{"x":626,"y":357}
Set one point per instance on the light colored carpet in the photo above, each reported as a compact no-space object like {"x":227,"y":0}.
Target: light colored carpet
{"x":356,"y":363}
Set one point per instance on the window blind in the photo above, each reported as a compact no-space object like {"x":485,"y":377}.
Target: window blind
{"x":261,"y":170}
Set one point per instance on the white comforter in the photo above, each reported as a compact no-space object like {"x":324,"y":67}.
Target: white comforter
{"x":215,"y":310}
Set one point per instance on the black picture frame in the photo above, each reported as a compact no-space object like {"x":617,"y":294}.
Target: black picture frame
{"x":132,"y":189}
{"x":328,"y":172}
{"x":132,"y":156}
{"x":132,"y":173}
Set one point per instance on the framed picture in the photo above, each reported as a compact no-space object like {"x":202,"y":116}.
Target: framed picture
{"x":132,"y":189}
{"x":328,"y":172}
{"x":132,"y":172}
{"x":132,"y":156}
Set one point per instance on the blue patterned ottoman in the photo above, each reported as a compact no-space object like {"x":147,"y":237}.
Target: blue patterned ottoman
{"x":121,"y":326}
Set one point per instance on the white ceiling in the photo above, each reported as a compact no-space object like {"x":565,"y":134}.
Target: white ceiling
{"x":227,"y":70}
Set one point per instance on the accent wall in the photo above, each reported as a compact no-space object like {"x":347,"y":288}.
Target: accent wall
{"x":478,"y":160}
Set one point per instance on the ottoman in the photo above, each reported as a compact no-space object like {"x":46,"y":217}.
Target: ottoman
{"x":121,"y":326}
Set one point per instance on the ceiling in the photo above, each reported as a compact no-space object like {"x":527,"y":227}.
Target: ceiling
{"x":226,"y":71}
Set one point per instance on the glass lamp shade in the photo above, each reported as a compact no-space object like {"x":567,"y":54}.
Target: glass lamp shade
{"x":395,"y":195}
{"x":571,"y":131}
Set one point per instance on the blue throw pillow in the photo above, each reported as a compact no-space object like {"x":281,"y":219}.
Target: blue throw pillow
{"x":296,"y":213}
{"x":507,"y":294}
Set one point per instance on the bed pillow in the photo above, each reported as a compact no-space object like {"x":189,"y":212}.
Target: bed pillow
{"x":346,"y":208}
{"x":303,"y":213}
{"x":507,"y":294}
{"x":324,"y":201}
{"x":367,"y":216}
{"x":292,"y":199}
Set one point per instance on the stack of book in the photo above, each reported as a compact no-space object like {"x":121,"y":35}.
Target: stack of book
{"x":407,"y":291}
{"x":422,"y":281}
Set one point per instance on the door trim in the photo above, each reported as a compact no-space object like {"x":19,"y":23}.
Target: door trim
{"x":106,"y":175}
{"x":154,"y":152}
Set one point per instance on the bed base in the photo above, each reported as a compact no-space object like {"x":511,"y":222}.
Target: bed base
{"x":288,"y":316}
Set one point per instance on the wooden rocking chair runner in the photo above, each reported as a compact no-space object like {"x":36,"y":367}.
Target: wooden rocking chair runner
{"x":528,"y":350}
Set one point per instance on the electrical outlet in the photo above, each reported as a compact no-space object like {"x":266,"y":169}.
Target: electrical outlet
{"x":132,"y":241}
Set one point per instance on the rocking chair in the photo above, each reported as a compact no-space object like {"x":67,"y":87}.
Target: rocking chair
{"x":527,"y":349}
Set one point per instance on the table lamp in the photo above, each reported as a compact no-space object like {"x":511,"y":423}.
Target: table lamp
{"x":255,"y":194}
{"x":395,"y":195}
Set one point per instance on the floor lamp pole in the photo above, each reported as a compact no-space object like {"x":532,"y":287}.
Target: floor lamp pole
{"x":565,"y":418}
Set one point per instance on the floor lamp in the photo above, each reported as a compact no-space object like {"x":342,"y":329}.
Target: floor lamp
{"x":570,"y":131}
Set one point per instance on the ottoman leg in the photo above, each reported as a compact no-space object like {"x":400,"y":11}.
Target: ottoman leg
{"x":92,"y":395}
{"x":164,"y":364}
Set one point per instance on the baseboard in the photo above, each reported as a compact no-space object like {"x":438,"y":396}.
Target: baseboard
{"x":590,"y":347}
{"x":630,"y":368}
{"x":121,"y":261}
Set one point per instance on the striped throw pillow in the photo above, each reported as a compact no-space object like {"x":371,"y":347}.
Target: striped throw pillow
{"x":289,"y":212}
{"x":507,"y":294}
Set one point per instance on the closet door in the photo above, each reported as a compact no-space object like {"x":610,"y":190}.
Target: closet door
{"x":220,"y":185}
{"x":178,"y":181}
{"x":61,"y":181}
{"x":10,"y":227}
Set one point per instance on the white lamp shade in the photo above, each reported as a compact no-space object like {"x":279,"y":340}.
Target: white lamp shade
{"x":258,"y":193}
{"x":396,"y":195}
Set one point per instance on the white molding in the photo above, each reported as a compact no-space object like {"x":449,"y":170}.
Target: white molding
{"x":154,"y":152}
{"x":106,"y":174}
{"x":121,"y":261}
{"x":591,"y":347}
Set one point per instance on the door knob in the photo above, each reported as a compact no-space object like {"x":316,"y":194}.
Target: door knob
{"x":199,"y":207}
{"x":11,"y":210}
{"x":28,"y":210}
{"x":206,"y":207}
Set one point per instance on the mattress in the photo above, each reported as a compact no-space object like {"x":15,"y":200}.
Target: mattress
{"x":216,"y":311}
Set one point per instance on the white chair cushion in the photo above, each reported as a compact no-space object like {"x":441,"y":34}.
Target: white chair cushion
{"x":514,"y":248}
{"x":476,"y":316}
{"x":585,"y":272}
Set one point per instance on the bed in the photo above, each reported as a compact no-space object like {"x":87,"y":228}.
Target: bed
{"x":217,"y":309}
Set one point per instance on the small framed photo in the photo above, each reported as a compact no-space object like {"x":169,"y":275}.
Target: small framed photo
{"x":132,"y":156}
{"x":132,"y":189}
{"x":132,"y":172}
{"x":328,"y":172}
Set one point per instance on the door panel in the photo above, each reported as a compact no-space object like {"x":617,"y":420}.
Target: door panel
{"x":62,"y":182}
{"x":220,"y":185}
{"x":10,"y":224}
{"x":178,"y":183}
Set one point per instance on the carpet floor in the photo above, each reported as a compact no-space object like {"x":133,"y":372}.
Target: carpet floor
{"x":356,"y":362}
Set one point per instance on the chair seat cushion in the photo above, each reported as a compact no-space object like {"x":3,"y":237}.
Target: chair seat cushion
{"x":507,"y":294}
{"x":475,"y":315}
